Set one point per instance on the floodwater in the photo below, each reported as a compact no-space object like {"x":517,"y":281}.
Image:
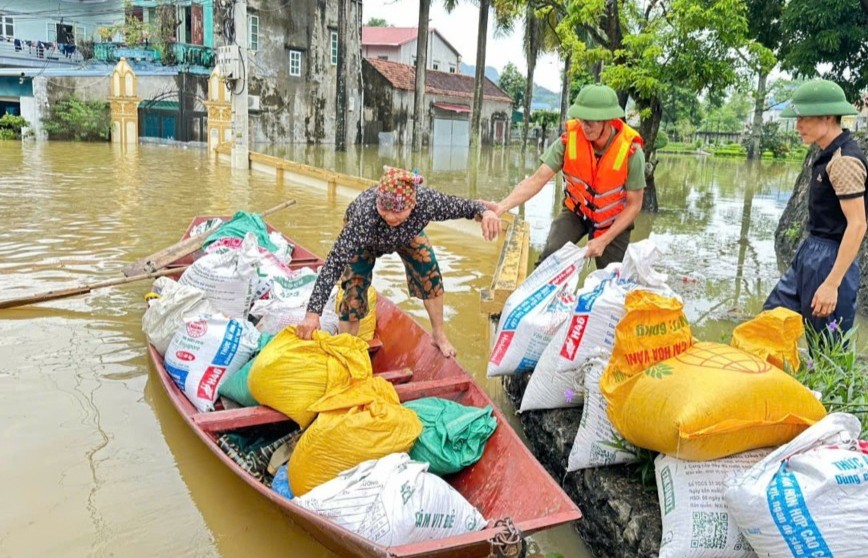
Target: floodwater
{"x":94,"y":461}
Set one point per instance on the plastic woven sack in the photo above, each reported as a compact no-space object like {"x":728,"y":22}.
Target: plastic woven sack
{"x":453,"y":435}
{"x":235,"y":387}
{"x":361,"y":422}
{"x":241,"y":224}
{"x":712,"y":401}
{"x":772,"y":335}
{"x":290,"y":373}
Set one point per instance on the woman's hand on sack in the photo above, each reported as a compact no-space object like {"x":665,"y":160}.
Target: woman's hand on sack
{"x":308,"y":325}
{"x":490,"y":225}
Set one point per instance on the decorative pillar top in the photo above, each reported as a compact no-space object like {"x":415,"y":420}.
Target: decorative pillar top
{"x":124,"y":82}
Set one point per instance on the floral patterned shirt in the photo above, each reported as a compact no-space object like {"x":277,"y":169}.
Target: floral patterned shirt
{"x":365,"y":229}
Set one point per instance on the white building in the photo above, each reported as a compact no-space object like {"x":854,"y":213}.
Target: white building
{"x":398,"y":44}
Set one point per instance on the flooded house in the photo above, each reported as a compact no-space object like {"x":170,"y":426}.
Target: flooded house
{"x":390,"y":78}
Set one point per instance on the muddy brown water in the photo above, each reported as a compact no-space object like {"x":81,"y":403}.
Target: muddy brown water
{"x":94,"y":461}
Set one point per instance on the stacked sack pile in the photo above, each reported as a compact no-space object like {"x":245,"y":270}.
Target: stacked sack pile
{"x":227,"y":328}
{"x":714,"y":412}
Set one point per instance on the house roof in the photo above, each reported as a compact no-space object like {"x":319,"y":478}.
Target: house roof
{"x":396,"y":36}
{"x":403,"y":76}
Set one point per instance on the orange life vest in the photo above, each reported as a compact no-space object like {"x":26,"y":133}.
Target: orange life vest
{"x":596,"y":188}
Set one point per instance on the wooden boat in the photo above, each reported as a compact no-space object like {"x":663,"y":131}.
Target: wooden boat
{"x":508,"y":482}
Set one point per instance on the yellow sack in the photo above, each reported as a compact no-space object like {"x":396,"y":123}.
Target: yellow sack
{"x":712,"y":401}
{"x":290,"y":373}
{"x":653,"y":329}
{"x":364,"y":421}
{"x":772,"y":335}
{"x":368,"y":324}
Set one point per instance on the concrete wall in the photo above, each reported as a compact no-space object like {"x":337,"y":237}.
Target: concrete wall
{"x":393,"y":54}
{"x":302,"y":109}
{"x":438,"y":51}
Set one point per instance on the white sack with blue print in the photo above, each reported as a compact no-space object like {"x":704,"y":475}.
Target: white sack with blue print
{"x":534,"y":311}
{"x":808,"y":497}
{"x":205,"y":352}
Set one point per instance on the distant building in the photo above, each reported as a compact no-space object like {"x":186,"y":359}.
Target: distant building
{"x":390,"y":98}
{"x":398,"y":44}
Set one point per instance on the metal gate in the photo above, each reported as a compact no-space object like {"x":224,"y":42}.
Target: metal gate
{"x":451,"y":132}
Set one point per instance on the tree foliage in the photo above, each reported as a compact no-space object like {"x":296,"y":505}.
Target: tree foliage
{"x":77,"y":120}
{"x":11,"y":126}
{"x":513,"y":83}
{"x":828,"y":38}
{"x":377,"y":22}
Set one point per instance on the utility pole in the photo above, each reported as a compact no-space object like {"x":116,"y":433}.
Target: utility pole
{"x":240,"y":123}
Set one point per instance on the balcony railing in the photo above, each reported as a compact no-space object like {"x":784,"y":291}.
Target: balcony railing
{"x":181,"y":54}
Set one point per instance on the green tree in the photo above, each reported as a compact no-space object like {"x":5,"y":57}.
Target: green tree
{"x":11,"y":126}
{"x":377,"y":22}
{"x":545,"y":119}
{"x":513,"y":83}
{"x":647,"y":48}
{"x":77,"y":120}
{"x":827,"y":36}
{"x":764,"y":28}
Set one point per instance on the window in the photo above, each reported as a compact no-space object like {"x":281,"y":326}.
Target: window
{"x":382,"y":58}
{"x":334,"y":48}
{"x":7,"y":26}
{"x":413,"y":61}
{"x":253,"y":32}
{"x":451,"y":68}
{"x":295,"y":62}
{"x":435,"y":65}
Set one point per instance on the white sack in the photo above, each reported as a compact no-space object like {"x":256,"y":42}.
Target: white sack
{"x":166,"y":314}
{"x":597,"y":443}
{"x":808,"y":497}
{"x":696,"y":522}
{"x":205,"y":352}
{"x":229,"y":278}
{"x":287,"y":303}
{"x":394,"y":501}
{"x":534,"y":311}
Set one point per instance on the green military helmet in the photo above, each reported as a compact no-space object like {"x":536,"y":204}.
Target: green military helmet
{"x":818,"y":97}
{"x":596,"y":102}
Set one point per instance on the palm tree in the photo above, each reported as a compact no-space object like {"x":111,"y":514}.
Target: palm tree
{"x":421,"y":65}
{"x":540,"y":35}
{"x":481,"y":42}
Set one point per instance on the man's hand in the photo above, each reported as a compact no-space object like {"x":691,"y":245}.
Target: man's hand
{"x":595,"y":247}
{"x":493,"y":206}
{"x":825,"y":300}
{"x":490,"y":225}
{"x":305,"y":329}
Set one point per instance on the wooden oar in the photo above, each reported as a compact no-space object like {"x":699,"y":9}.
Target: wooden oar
{"x":72,"y":291}
{"x":159,"y":260}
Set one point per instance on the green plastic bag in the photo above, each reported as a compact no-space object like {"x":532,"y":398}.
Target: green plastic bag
{"x":241,"y":224}
{"x":453,"y":436}
{"x":235,"y":387}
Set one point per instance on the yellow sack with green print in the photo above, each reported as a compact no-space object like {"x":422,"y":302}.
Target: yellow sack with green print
{"x":290,"y":374}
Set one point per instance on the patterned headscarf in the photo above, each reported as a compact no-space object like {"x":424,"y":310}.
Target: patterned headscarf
{"x":397,"y":189}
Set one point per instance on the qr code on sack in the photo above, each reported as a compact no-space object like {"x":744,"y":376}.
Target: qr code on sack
{"x":709,"y":529}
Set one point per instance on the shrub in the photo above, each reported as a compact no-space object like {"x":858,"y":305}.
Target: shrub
{"x":77,"y":120}
{"x":11,"y":126}
{"x":833,"y":369}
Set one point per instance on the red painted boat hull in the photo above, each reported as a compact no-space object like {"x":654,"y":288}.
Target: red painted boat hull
{"x":508,"y":482}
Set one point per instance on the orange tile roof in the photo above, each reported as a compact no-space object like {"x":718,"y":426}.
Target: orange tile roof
{"x":403,"y":76}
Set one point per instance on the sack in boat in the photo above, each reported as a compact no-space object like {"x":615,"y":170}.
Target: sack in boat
{"x":235,"y":386}
{"x":534,"y":311}
{"x":711,"y":401}
{"x":361,"y":422}
{"x":290,"y":373}
{"x":269,"y":267}
{"x":773,"y":336}
{"x":453,"y":435}
{"x":205,"y":352}
{"x":696,"y":522}
{"x":394,"y":501}
{"x":167,"y":313}
{"x":597,"y":443}
{"x":229,"y":279}
{"x":809,"y":497}
{"x":287,"y":302}
{"x":240,"y":225}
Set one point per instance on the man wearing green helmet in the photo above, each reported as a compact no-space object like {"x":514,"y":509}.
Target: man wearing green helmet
{"x":603,"y":165}
{"x":822,"y":281}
